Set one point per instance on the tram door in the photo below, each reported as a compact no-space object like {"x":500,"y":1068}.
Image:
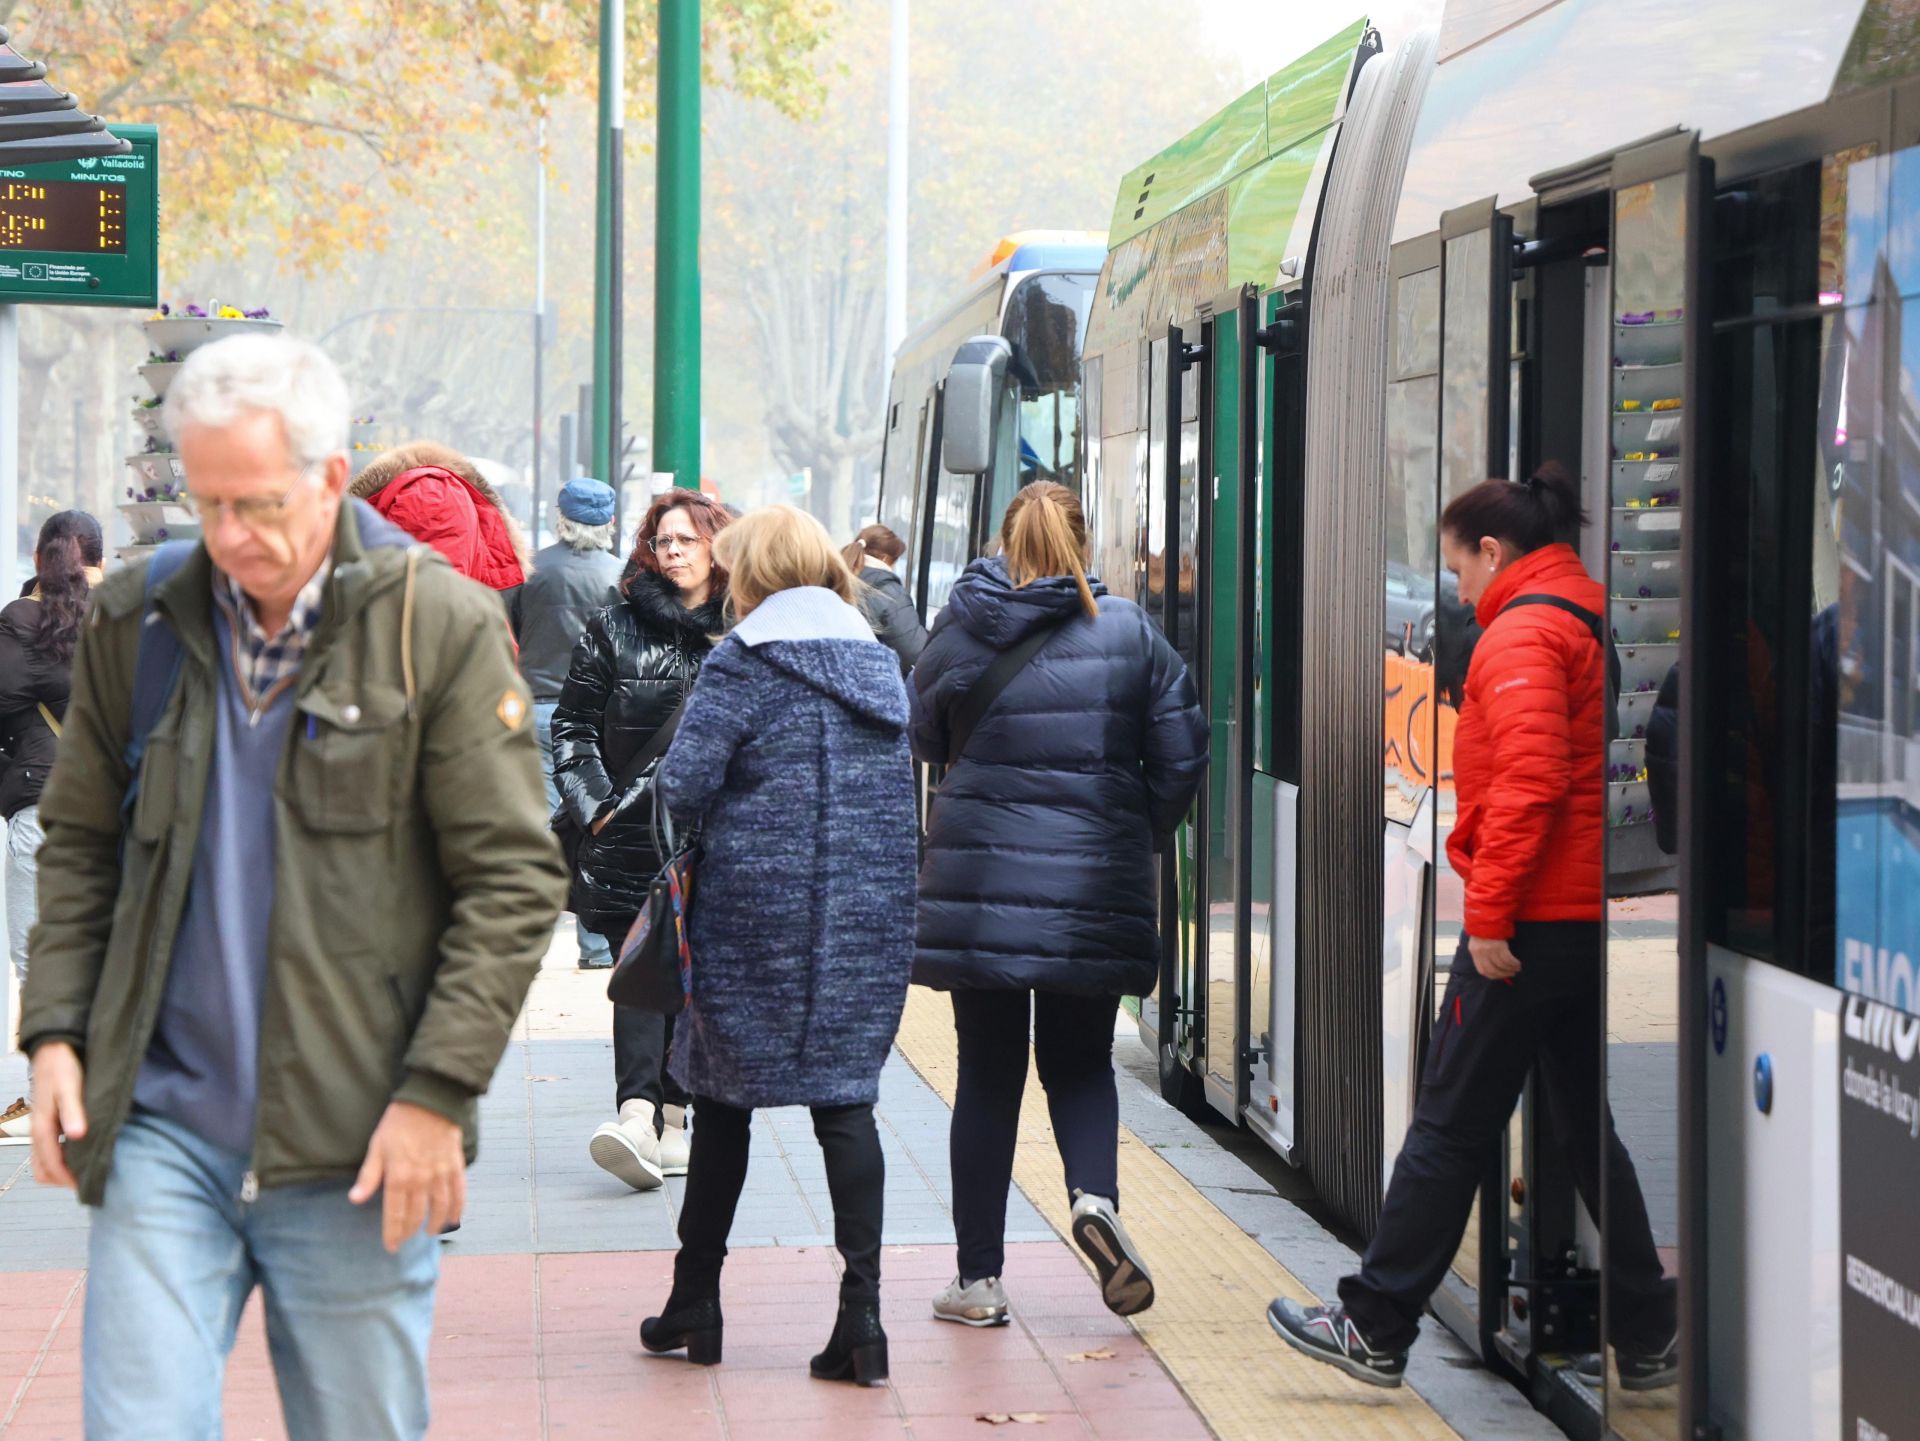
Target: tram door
{"x":1207,"y":413}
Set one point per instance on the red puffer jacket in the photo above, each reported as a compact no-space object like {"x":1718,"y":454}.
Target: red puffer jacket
{"x":1528,"y":759}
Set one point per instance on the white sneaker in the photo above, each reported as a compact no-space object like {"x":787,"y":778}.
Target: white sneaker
{"x":629,"y":1147}
{"x":16,"y":1121}
{"x":1124,"y":1283}
{"x":984,"y":1303}
{"x":676,"y":1147}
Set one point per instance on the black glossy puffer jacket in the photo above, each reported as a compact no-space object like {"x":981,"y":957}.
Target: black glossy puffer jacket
{"x":631,"y":667}
{"x":1039,"y":868}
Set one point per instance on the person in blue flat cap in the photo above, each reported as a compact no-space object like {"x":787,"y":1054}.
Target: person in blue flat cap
{"x":572,"y":578}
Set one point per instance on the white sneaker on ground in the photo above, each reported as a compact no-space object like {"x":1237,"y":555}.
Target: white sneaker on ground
{"x":1124,"y":1283}
{"x":676,"y":1147}
{"x":984,"y":1303}
{"x":630,"y":1147}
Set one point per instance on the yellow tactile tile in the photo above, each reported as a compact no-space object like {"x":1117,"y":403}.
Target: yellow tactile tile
{"x":1212,"y":1281}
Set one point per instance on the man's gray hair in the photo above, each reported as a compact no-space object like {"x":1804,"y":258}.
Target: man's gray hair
{"x":246,"y":374}
{"x":583,"y":538}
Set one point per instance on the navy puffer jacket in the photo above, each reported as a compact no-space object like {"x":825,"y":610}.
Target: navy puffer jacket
{"x":1039,"y":869}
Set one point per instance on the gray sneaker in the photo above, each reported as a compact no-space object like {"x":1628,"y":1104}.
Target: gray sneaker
{"x":984,"y":1303}
{"x":1124,"y":1283}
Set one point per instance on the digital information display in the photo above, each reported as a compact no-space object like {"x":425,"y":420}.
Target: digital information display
{"x":84,"y":231}
{"x":85,"y":218}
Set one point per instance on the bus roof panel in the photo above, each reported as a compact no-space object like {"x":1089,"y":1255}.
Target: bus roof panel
{"x":1056,"y":257}
{"x":1300,"y":100}
{"x":1584,"y":77}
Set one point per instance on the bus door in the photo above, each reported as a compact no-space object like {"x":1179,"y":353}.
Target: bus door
{"x":1230,"y":399}
{"x":1273,"y":395}
{"x":1181,"y":450}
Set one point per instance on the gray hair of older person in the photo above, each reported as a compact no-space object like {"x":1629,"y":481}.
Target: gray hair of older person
{"x":583,"y":538}
{"x":246,"y":375}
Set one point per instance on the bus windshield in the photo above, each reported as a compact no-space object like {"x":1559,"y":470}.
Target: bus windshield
{"x":1046,"y":322}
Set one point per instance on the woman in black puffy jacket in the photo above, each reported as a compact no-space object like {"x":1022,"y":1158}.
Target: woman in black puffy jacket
{"x":631,"y":669}
{"x":1039,"y":878}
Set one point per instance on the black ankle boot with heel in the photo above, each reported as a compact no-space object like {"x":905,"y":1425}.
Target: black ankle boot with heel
{"x":692,"y":1325}
{"x":857,"y":1350}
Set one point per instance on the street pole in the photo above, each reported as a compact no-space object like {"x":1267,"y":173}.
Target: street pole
{"x":539,"y":319}
{"x":676,"y":264}
{"x":9,"y":451}
{"x":606,"y":248}
{"x":897,"y":118}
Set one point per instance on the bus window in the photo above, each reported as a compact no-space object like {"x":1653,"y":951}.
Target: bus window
{"x":1046,"y":321}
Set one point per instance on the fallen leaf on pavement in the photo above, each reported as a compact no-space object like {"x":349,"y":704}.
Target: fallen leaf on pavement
{"x":1091,"y":1356}
{"x":1020,"y":1418}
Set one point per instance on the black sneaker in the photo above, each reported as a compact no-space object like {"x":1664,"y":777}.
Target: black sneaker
{"x":1328,"y":1333}
{"x":1638,"y":1371}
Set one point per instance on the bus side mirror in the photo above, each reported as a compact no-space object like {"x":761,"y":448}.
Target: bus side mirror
{"x":974,"y":383}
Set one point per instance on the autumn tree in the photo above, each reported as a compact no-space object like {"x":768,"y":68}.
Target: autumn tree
{"x":1024,"y":117}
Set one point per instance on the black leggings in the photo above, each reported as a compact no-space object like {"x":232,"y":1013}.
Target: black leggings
{"x":856,"y":1179}
{"x":1073,"y":1051}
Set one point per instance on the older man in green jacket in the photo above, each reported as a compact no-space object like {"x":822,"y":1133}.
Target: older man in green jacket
{"x":270,"y":989}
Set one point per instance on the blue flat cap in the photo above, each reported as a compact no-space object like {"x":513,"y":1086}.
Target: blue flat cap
{"x":586,"y":501}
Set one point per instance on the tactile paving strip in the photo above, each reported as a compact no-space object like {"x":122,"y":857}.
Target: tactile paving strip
{"x":1212,"y":1282}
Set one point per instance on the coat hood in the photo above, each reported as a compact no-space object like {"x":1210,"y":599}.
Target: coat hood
{"x":817,"y":638}
{"x":985,"y":602}
{"x":656,"y":605}
{"x":438,"y":496}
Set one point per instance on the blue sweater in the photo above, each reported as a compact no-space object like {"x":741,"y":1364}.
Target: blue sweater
{"x":202,"y":1068}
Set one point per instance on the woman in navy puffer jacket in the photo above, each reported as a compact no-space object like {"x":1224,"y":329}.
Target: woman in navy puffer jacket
{"x":1039,"y":877}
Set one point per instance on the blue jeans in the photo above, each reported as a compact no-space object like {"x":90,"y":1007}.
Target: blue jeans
{"x":173,"y":1255}
{"x":594,"y":950}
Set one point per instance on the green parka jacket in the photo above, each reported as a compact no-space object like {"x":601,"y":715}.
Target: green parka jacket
{"x":416,"y":885}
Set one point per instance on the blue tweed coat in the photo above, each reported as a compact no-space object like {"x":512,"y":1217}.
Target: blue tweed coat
{"x":793,"y":757}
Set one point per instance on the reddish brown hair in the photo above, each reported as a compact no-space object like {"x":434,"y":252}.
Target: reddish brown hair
{"x":709,"y":518}
{"x":1544,"y":509}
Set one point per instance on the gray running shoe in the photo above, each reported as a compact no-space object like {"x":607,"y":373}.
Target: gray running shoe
{"x":983,"y":1303}
{"x":1327,"y":1333}
{"x":1124,"y":1283}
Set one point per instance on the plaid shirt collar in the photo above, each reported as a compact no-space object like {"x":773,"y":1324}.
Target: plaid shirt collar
{"x":266,"y":663}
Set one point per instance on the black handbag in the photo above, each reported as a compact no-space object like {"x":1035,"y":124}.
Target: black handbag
{"x":566,"y":826}
{"x":654,"y":970}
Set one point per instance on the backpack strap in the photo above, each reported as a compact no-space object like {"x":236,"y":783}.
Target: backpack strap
{"x":981,"y":695}
{"x":1595,"y":627}
{"x":156,"y":666}
{"x":1560,"y":602}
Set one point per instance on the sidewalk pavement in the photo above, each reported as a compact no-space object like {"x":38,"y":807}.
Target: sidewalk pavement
{"x":544,"y":1287}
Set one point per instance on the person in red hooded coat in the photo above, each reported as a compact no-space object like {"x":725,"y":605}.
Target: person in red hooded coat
{"x":438,"y":496}
{"x":1529,"y":841}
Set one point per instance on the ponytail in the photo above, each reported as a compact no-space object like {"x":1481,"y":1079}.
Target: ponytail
{"x":876,"y":541}
{"x":69,"y":545}
{"x":1525,"y":515}
{"x":1045,"y":534}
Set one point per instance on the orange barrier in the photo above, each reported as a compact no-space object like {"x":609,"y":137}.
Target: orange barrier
{"x":1408,"y":745}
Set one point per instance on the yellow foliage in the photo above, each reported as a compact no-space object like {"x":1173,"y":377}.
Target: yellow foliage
{"x":319,"y":122}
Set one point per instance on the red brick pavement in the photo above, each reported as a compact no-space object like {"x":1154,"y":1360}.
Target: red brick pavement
{"x":545,"y":1347}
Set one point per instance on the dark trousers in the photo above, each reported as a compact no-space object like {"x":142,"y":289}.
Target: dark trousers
{"x":1073,"y":1051}
{"x":717,"y":1170}
{"x":1489,"y":1035}
{"x":641,"y":1040}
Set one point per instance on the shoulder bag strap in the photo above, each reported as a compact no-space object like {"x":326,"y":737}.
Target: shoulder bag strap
{"x":655,"y":747}
{"x":981,"y":695}
{"x":52,"y":720}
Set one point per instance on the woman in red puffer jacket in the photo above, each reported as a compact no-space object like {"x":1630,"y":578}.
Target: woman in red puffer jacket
{"x":1530,"y":837}
{"x":1524,"y":990}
